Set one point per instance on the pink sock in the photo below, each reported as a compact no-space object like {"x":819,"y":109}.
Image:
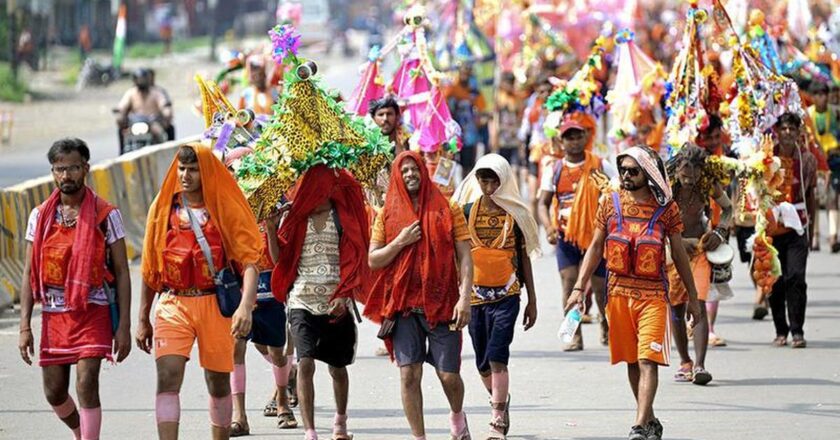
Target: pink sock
{"x":310,"y":434}
{"x":91,"y":422}
{"x":221,"y":411}
{"x":340,"y":424}
{"x":281,"y":374}
{"x":488,"y":382}
{"x":457,"y":422}
{"x":501,"y":385}
{"x":168,"y":408}
{"x":237,"y":379}
{"x":65,"y":409}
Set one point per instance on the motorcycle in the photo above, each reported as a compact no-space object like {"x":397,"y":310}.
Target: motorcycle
{"x":137,"y":133}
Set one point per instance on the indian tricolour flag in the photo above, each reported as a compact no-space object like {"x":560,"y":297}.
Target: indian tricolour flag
{"x":119,"y":40}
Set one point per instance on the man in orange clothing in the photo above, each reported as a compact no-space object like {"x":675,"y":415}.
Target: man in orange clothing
{"x":632,"y":228}
{"x":571,"y":189}
{"x":417,"y":294}
{"x":199,"y":210}
{"x":70,"y":239}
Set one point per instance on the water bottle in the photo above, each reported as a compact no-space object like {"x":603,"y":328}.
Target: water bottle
{"x":569,"y":326}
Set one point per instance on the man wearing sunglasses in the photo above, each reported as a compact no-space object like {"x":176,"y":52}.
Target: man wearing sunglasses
{"x":632,"y":228}
{"x":569,"y":196}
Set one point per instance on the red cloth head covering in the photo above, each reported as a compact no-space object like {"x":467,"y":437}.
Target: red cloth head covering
{"x":92,"y":211}
{"x":341,"y":188}
{"x":433,"y":256}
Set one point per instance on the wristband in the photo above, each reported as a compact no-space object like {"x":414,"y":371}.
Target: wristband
{"x":577,"y":289}
{"x":28,"y":329}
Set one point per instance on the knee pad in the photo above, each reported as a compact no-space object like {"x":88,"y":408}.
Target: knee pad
{"x":168,"y":407}
{"x":237,"y":379}
{"x":221,"y":411}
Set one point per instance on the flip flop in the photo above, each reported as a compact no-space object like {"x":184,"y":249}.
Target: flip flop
{"x":238,"y":430}
{"x":701,"y":376}
{"x":286,"y":420}
{"x":684,"y":374}
{"x":270,"y":409}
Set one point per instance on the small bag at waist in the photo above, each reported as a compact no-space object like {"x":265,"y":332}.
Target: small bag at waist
{"x":492,"y":267}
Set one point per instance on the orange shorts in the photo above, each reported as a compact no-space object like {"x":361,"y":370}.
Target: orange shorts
{"x":180,"y":320}
{"x":702,"y":271}
{"x":639,"y":329}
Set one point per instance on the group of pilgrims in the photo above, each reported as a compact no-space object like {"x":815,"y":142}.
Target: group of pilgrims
{"x":422,"y":204}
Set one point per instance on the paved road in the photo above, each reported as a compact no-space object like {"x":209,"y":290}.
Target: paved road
{"x":759,"y":392}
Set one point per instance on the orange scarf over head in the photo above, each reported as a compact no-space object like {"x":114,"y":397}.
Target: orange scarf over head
{"x":585,"y":204}
{"x":433,"y":256}
{"x":229,"y":211}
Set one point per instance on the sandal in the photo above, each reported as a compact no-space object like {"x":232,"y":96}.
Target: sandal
{"x":685,"y":373}
{"x":716,"y":341}
{"x":780,"y":341}
{"x":286,"y":420}
{"x":701,"y":376}
{"x":342,"y":437}
{"x":498,"y":430}
{"x":239,"y":430}
{"x":798,"y":342}
{"x":270,"y":409}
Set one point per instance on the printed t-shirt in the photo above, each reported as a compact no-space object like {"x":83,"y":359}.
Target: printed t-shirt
{"x":670,"y":219}
{"x":488,"y":227}
{"x":319,"y":270}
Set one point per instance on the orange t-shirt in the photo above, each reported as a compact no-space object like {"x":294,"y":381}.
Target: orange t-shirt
{"x":670,"y":219}
{"x":459,"y":231}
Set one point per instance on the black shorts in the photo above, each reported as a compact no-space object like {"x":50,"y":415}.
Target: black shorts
{"x":269,"y":323}
{"x":318,"y":337}
{"x":491,"y":330}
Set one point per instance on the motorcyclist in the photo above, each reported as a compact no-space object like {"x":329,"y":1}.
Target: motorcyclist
{"x":145,"y":102}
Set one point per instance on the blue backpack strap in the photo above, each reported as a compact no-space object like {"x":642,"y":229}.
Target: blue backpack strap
{"x":658,"y":213}
{"x":617,"y":205}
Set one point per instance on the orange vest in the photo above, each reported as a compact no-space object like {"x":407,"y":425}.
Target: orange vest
{"x":58,"y":247}
{"x":183,"y":261}
{"x":635,"y":246}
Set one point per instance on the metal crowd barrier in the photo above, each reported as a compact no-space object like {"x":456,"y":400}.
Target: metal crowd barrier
{"x":130,"y":182}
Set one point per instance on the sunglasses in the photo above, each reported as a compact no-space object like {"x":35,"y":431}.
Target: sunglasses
{"x":632,"y":171}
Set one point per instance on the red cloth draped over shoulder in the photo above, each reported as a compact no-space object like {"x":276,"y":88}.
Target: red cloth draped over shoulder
{"x":317,"y":185}
{"x":433,"y":256}
{"x":93,"y":211}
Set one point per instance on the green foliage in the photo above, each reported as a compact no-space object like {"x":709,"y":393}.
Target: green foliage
{"x":152,"y":50}
{"x":11,"y":90}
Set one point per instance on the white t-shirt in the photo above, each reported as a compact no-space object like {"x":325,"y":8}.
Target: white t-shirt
{"x":547,"y":177}
{"x":54,"y":296}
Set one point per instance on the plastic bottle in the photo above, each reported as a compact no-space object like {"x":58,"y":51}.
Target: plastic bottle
{"x":569,"y":326}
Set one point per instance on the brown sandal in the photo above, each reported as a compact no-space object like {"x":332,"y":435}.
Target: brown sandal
{"x":780,"y":341}
{"x":286,"y":420}
{"x":238,"y":430}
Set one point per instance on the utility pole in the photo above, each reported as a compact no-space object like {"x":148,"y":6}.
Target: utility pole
{"x":212,"y":4}
{"x":11,"y":12}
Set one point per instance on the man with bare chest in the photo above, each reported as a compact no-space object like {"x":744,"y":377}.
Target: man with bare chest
{"x":692,"y":191}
